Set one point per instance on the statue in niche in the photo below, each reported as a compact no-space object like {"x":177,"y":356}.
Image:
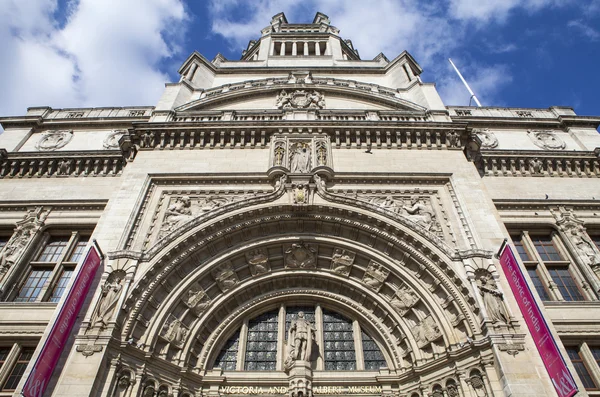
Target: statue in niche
{"x":419,"y":213}
{"x":225,"y":277}
{"x":375,"y":275}
{"x":300,"y":158}
{"x":175,"y":332}
{"x":258,"y":261}
{"x":198,"y":301}
{"x":536,"y":166}
{"x":321,"y":153}
{"x":492,"y":299}
{"x":300,"y":256}
{"x":15,"y":247}
{"x":426,"y":331}
{"x":585,"y":246}
{"x":403,"y":300}
{"x":300,"y":193}
{"x":300,"y":339}
{"x":279,"y":154}
{"x":341,"y":261}
{"x":177,"y":214}
{"x":109,"y":298}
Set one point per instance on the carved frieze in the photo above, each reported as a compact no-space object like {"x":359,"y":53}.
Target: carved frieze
{"x":300,"y":256}
{"x":53,"y":140}
{"x":342,"y":261}
{"x":375,"y":275}
{"x":546,"y":139}
{"x":258,"y":261}
{"x":404,"y":298}
{"x":300,"y":99}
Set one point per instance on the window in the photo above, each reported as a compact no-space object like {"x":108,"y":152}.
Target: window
{"x":18,"y":369}
{"x":581,"y":368}
{"x":4,"y":351}
{"x":50,"y":271}
{"x":258,"y":345}
{"x":547,"y":266}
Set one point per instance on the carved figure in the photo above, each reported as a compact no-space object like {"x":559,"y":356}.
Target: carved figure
{"x":175,"y":332}
{"x":453,"y":139}
{"x":149,"y":391}
{"x":341,"y":261}
{"x":536,"y":166}
{"x":418,"y":212}
{"x":198,"y":301}
{"x":317,"y":100}
{"x":146,"y":139}
{"x":585,"y":246}
{"x":108,"y":301}
{"x":300,"y":99}
{"x":300,"y":158}
{"x":112,"y":139}
{"x":258,"y":261}
{"x":300,"y":339}
{"x":177,"y":214}
{"x":546,"y":139}
{"x":15,"y":247}
{"x":300,"y":256}
{"x":283,"y":100}
{"x":487,"y":138}
{"x":63,"y":167}
{"x":426,"y":331}
{"x":492,"y":299}
{"x":375,"y":275}
{"x":225,"y":277}
{"x":403,"y":300}
{"x":124,"y":382}
{"x":279,"y":153}
{"x":53,"y":140}
{"x":321,"y":153}
{"x":300,"y":194}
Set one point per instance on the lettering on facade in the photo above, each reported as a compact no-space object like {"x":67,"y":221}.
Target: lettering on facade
{"x":275,"y":390}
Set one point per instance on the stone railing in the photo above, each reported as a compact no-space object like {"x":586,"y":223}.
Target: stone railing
{"x":539,"y":163}
{"x":61,"y":164}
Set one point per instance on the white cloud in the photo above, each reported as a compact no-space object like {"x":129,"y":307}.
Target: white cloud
{"x":496,"y":10}
{"x":106,"y":54}
{"x":584,"y":29}
{"x":485,"y":81}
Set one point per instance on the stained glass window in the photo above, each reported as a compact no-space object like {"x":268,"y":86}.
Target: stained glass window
{"x":373,"y":357}
{"x":261,"y":345}
{"x":227,"y":359}
{"x":338,"y":336}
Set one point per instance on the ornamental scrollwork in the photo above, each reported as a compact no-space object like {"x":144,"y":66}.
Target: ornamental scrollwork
{"x":546,"y":139}
{"x":53,"y":140}
{"x":300,"y":99}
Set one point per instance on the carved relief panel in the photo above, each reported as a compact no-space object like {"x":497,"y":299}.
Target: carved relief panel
{"x":300,"y":155}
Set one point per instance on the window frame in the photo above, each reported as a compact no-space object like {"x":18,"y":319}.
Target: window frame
{"x":11,"y":362}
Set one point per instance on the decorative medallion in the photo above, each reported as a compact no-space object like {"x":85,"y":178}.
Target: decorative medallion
{"x":300,"y":256}
{"x":300,"y":99}
{"x":112,"y":140}
{"x":546,"y":139}
{"x":258,"y":261}
{"x":487,"y":138}
{"x":53,"y":140}
{"x":226,"y":277}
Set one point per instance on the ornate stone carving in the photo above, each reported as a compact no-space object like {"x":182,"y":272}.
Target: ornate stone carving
{"x":375,"y":275}
{"x":321,"y":152}
{"x":341,"y":261}
{"x":258,"y":261}
{"x":300,"y":193}
{"x":487,"y":138}
{"x":112,"y":140}
{"x":124,"y":381}
{"x":25,"y":231}
{"x":225,"y":277}
{"x":403,"y":300}
{"x":64,"y":167}
{"x":426,"y":331}
{"x":536,"y":166}
{"x":301,"y":337}
{"x":53,"y":140}
{"x":546,"y":139}
{"x":477,"y":383}
{"x":453,"y":138}
{"x":585,"y":246}
{"x":149,"y":390}
{"x":111,"y":291}
{"x":300,"y":99}
{"x":300,"y":256}
{"x":415,"y":208}
{"x":197,"y":301}
{"x":88,"y":349}
{"x":174,"y":331}
{"x":300,"y":157}
{"x":492,"y":297}
{"x":279,"y":154}
{"x":419,"y":213}
{"x":178,"y":213}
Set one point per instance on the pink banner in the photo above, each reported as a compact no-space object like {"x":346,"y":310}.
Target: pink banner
{"x":61,"y":329}
{"x":545,"y":343}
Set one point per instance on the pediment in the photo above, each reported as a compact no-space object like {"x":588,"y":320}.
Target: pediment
{"x":320,"y":94}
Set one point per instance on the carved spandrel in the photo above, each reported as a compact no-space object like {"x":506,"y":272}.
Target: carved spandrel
{"x":26,"y":230}
{"x":342,"y":261}
{"x":375,"y":275}
{"x":300,"y":256}
{"x":258,"y":261}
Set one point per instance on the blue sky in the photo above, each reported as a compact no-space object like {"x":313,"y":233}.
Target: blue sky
{"x":80,"y":53}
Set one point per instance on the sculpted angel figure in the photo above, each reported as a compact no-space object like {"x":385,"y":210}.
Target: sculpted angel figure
{"x":300,"y":338}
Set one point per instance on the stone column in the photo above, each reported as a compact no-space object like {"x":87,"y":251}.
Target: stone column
{"x":306,"y":48}
{"x":317,"y":48}
{"x":294,"y":48}
{"x":282,"y":50}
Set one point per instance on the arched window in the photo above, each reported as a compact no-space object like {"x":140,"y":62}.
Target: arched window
{"x":260,"y":343}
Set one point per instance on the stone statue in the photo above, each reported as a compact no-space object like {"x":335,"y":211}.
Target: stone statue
{"x":418,"y":212}
{"x":453,"y":139}
{"x":341,"y":261}
{"x":146,"y":139}
{"x":258,"y":261}
{"x":300,"y":339}
{"x":585,"y":247}
{"x":279,"y":153}
{"x":63,"y":167}
{"x":15,"y":247}
{"x":536,"y":166}
{"x":300,"y":158}
{"x":492,"y":299}
{"x":300,"y":256}
{"x":321,"y":153}
{"x":110,"y":296}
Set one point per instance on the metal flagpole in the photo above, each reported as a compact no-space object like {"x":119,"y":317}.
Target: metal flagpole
{"x":465,"y":83}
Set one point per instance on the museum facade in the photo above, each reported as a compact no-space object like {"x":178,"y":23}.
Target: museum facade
{"x":300,"y":222}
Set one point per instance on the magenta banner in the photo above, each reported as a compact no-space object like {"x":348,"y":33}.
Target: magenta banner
{"x":59,"y":333}
{"x":545,"y":343}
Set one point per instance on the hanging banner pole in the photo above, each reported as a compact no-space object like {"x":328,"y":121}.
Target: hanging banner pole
{"x":63,"y":325}
{"x":536,"y":323}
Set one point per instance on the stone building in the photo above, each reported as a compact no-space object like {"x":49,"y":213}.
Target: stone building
{"x":300,"y":222}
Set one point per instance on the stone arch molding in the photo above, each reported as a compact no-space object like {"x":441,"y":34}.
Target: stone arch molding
{"x":319,"y":87}
{"x":194,"y":291}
